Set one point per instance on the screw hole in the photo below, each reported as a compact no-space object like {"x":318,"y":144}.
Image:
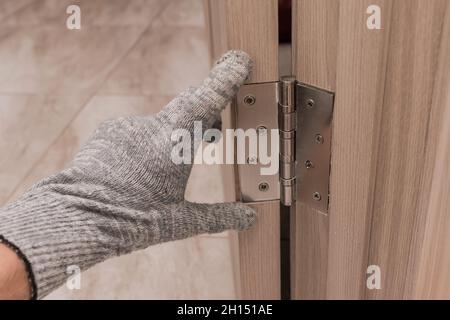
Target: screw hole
{"x":310,"y":103}
{"x":317,"y":196}
{"x":309,"y":164}
{"x":263,"y":187}
{"x":249,"y":100}
{"x":318,"y":138}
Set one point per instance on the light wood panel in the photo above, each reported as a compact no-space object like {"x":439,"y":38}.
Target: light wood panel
{"x":386,"y":205}
{"x":309,"y":253}
{"x":249,"y":25}
{"x":360,"y":83}
{"x":314,"y":41}
{"x":433,"y":278}
{"x":258,"y":247}
{"x":402,"y":147}
{"x":428,"y":277}
{"x":252,"y":26}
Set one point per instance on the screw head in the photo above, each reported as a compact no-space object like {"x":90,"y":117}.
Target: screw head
{"x":309,"y":164}
{"x":310,"y":103}
{"x":252,"y":160}
{"x":317,"y":196}
{"x":318,"y":139}
{"x":249,"y":100}
{"x":263,"y":186}
{"x":261,"y":130}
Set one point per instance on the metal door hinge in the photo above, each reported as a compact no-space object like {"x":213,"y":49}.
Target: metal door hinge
{"x":287,"y":124}
{"x":304,"y":116}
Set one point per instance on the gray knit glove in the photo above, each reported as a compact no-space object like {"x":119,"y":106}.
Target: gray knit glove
{"x":122,"y":192}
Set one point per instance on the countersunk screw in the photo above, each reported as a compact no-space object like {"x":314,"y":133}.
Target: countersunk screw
{"x":261,"y":130}
{"x":249,"y":100}
{"x":317,"y":196}
{"x":263,"y":186}
{"x":310,"y":103}
{"x":309,"y":164}
{"x":318,"y":138}
{"x":252,"y":160}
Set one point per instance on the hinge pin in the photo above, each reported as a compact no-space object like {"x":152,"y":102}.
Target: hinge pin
{"x":287,"y":125}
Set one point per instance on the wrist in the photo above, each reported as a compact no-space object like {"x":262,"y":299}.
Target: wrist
{"x":50,"y":233}
{"x":14,"y":280}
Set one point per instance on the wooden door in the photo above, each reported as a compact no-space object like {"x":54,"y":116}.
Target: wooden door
{"x":389,"y":186}
{"x":252,"y":26}
{"x":390,"y":150}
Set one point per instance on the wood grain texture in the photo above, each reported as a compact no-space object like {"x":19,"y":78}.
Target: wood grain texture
{"x":252,"y":26}
{"x":314,"y":37}
{"x":408,"y":97}
{"x":259,"y":254}
{"x":249,"y":25}
{"x":428,"y":276}
{"x":309,"y":253}
{"x":388,"y":195}
{"x":433,"y":278}
{"x":360,"y":83}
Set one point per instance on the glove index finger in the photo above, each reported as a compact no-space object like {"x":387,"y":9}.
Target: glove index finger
{"x":224,"y":80}
{"x":205,"y":103}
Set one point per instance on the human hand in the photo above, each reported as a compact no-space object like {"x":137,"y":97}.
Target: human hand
{"x":123,"y":192}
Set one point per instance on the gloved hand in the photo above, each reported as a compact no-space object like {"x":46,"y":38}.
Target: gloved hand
{"x":122,"y":192}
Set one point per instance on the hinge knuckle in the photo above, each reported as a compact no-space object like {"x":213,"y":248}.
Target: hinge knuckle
{"x":287,"y":121}
{"x":287,"y":93}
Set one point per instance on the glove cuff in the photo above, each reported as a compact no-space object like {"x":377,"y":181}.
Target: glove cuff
{"x":49,"y":236}
{"x":28,"y":269}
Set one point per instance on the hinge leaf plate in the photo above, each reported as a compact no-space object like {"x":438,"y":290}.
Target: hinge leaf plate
{"x":313,"y":145}
{"x":256,"y":107}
